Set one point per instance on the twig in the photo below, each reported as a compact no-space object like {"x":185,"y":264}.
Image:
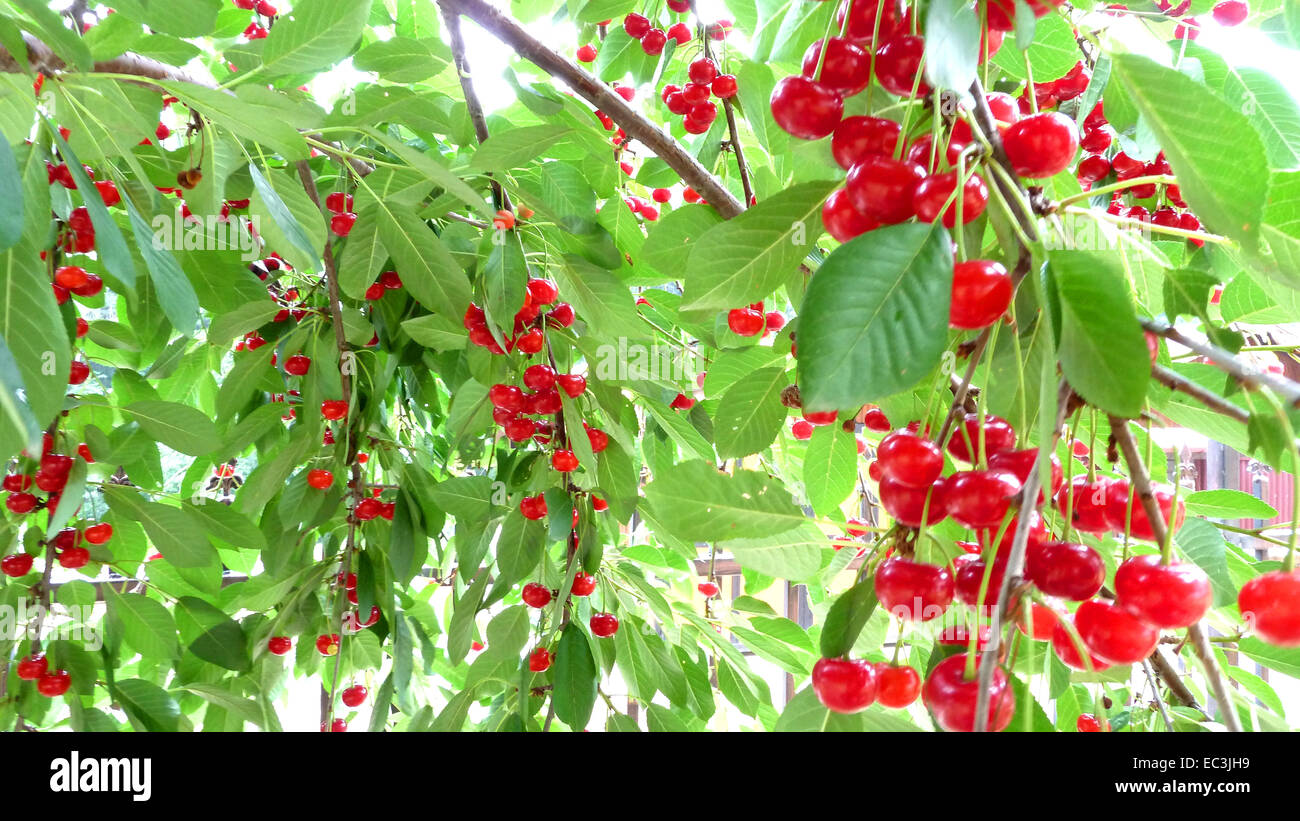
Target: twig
{"x":1155,"y":692}
{"x":1245,"y":374}
{"x":1137,"y":473}
{"x":729,"y":110}
{"x":598,"y":94}
{"x":1169,"y":675}
{"x":472,"y":104}
{"x":1206,"y":397}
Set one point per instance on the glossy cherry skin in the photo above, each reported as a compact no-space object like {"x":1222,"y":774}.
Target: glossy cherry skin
{"x":1086,"y":503}
{"x":846,"y":68}
{"x":805,"y":109}
{"x":934,"y":191}
{"x":1022,"y":462}
{"x":1168,"y":596}
{"x":908,"y":504}
{"x":536,"y":595}
{"x":910,"y":459}
{"x":882,"y":188}
{"x":564,"y":461}
{"x":841,"y":220}
{"x":584,"y":584}
{"x":539,"y":661}
{"x":998,"y":436}
{"x":533,"y":507}
{"x":1044,"y":624}
{"x":354,"y":696}
{"x":539,"y":377}
{"x":708,"y":589}
{"x":328,"y":645}
{"x":603,"y":625}
{"x":857,"y":138}
{"x":1041,"y":145}
{"x":1069,"y":655}
{"x":54,"y":684}
{"x":896,"y":687}
{"x":1139,"y":526}
{"x":19,"y":564}
{"x":953,"y":700}
{"x":1087,"y":723}
{"x":32,"y":668}
{"x":912,"y":590}
{"x":970,"y":578}
{"x":1230,"y":12}
{"x":1270,"y":606}
{"x":746,"y":321}
{"x":844,"y":685}
{"x":1065,"y":569}
{"x":320,"y":479}
{"x":862,"y":25}
{"x":980,"y":498}
{"x":981,"y":293}
{"x":898,"y":63}
{"x":279,"y":645}
{"x":1113,"y":634}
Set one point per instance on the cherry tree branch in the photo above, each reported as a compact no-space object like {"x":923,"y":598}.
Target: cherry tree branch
{"x":1206,"y":397}
{"x":633,"y":123}
{"x":1246,"y":375}
{"x":1137,"y":473}
{"x":729,"y":110}
{"x":472,"y":103}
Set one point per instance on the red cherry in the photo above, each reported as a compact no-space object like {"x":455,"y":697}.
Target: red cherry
{"x":74,"y":557}
{"x":539,"y":661}
{"x":883,"y":188}
{"x":67,"y":538}
{"x":934,"y":192}
{"x":857,"y":138}
{"x":1086,"y":502}
{"x":981,"y":293}
{"x":1068,"y":653}
{"x":842,"y":220}
{"x":98,"y":533}
{"x":708,"y":589}
{"x":279,"y":645}
{"x":70,"y":277}
{"x":680,"y":32}
{"x":339,"y":202}
{"x":1230,"y":12}
{"x":998,"y":436}
{"x":724,"y":86}
{"x":542,"y":291}
{"x":297,"y":365}
{"x":94,"y":284}
{"x":334,"y":409}
{"x":969,"y":579}
{"x":19,"y":564}
{"x":508,"y":397}
{"x":912,"y":590}
{"x":584,"y":584}
{"x":341,"y":224}
{"x":320,"y":479}
{"x":31,"y":668}
{"x":980,"y":498}
{"x":368,"y":509}
{"x":702,"y":70}
{"x":598,"y":439}
{"x":354,"y":696}
{"x":910,"y":459}
{"x":806,"y":109}
{"x":1270,"y":606}
{"x":774,"y":321}
{"x":586,"y":54}
{"x":533,"y":507}
{"x":1117,"y":510}
{"x":862,"y":20}
{"x":1113,"y":634}
{"x":746,"y":322}
{"x":1065,"y":569}
{"x":636,"y":26}
{"x":338,"y":725}
{"x":1045,"y":621}
{"x":954,"y":699}
{"x":905,"y":503}
{"x":1022,"y":463}
{"x":603,"y":625}
{"x":844,"y":685}
{"x":1088,"y":723}
{"x":536,"y":595}
{"x":1166,"y":596}
{"x":653,"y":42}
{"x":801,"y":430}
{"x":896,"y":687}
{"x":78,"y":373}
{"x":53,"y":685}
{"x":564,"y":461}
{"x":898,"y":64}
{"x":328,"y":645}
{"x":1041,"y":145}
{"x":539,"y":377}
{"x":846,"y":68}
{"x":520,"y":430}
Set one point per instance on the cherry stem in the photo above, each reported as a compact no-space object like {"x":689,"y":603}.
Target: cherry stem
{"x":1158,"y":179}
{"x":1244,"y":373}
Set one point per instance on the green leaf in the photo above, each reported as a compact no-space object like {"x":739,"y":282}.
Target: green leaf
{"x":400,"y":60}
{"x":247,"y":317}
{"x":173,"y":289}
{"x":18,"y":427}
{"x":62,"y":40}
{"x":708,"y":505}
{"x":1102,"y":351}
{"x":599,"y":298}
{"x":1271,"y":109}
{"x":791,"y":554}
{"x":575,"y":677}
{"x":1224,"y":503}
{"x":1285,"y":660}
{"x":110,"y":246}
{"x":148,"y":705}
{"x":32,"y":327}
{"x":516,"y":147}
{"x":875,"y":317}
{"x":11,"y":198}
{"x":846,"y":618}
{"x":519,"y":547}
{"x":259,"y":123}
{"x":428,"y":270}
{"x":830,"y":467}
{"x":147,"y":625}
{"x":285,"y":205}
{"x":952,"y":44}
{"x":1203,"y":543}
{"x":1216,"y":155}
{"x":245,"y":709}
{"x":744,"y":259}
{"x":315,"y":35}
{"x":750,"y":415}
{"x":1053,"y":50}
{"x":441,"y":333}
{"x":219,"y":639}
{"x":175,"y":535}
{"x":226,"y":524}
{"x":179,"y":427}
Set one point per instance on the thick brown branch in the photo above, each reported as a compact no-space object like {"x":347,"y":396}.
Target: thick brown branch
{"x":1137,"y":474}
{"x":600,"y":95}
{"x":1208,"y":398}
{"x":472,"y":104}
{"x":1245,"y":374}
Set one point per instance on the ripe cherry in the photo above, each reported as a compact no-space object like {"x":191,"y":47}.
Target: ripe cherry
{"x":724,"y":86}
{"x":980,"y":498}
{"x":654,"y":41}
{"x":842,"y":220}
{"x":636,"y":26}
{"x":1065,"y":569}
{"x":279,"y":645}
{"x":354,"y":696}
{"x":1113,"y":634}
{"x":542,"y":291}
{"x":702,"y":70}
{"x":953,"y":699}
{"x":882,"y":188}
{"x":297,"y":365}
{"x":32,"y":668}
{"x":328,"y":645}
{"x":55,"y":684}
{"x":934,"y":192}
{"x":19,"y":564}
{"x":536,"y":595}
{"x":584,"y":584}
{"x":564,"y":461}
{"x":844,"y":685}
{"x":910,"y":459}
{"x":1086,"y":502}
{"x":969,"y":579}
{"x":1044,"y":619}
{"x":857,"y":138}
{"x":539,"y":661}
{"x":341,"y":224}
{"x":74,"y":557}
{"x":981,"y":293}
{"x":898,"y":65}
{"x":1168,"y":596}
{"x":1088,"y":723}
{"x":598,"y":439}
{"x":908,"y":504}
{"x":746,"y":321}
{"x":913,"y":590}
{"x":320,"y":479}
{"x":896,"y":687}
{"x":334,"y":409}
{"x":603,"y":625}
{"x":806,"y":109}
{"x":802,"y":430}
{"x":539,"y":377}
{"x":1066,"y":650}
{"x":20,"y":503}
{"x":338,"y":725}
{"x":1022,"y":463}
{"x":862,"y":25}
{"x":1270,"y":606}
{"x":1041,"y":145}
{"x":680,"y":32}
{"x":998,"y":436}
{"x":1117,"y":509}
{"x":533,"y":507}
{"x":846,"y":68}
{"x":586,"y":54}
{"x":708,"y":589}
{"x":1230,"y":12}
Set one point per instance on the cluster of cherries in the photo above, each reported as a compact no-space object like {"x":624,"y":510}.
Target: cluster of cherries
{"x":653,"y":39}
{"x":262,"y":8}
{"x":752,"y":321}
{"x":527,"y":335}
{"x":692,"y":102}
{"x":340,"y":205}
{"x":49,"y":683}
{"x":602,"y":625}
